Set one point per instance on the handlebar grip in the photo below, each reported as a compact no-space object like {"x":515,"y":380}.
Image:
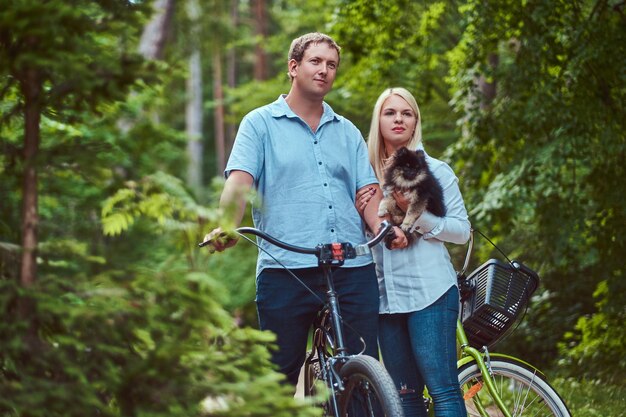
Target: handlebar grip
{"x":384,"y":230}
{"x":389,"y":238}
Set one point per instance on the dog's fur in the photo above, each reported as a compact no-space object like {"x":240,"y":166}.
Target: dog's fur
{"x":408,"y":172}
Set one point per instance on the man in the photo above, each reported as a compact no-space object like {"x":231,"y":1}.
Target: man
{"x":307,"y":163}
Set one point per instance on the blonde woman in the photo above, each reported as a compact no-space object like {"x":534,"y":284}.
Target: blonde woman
{"x":419,"y":298}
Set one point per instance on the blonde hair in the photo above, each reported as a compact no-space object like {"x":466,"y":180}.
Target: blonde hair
{"x":375,"y":143}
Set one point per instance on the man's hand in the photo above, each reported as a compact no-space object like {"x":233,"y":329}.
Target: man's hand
{"x":219,"y":240}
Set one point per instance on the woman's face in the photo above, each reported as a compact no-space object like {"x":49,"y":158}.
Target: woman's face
{"x":397,"y":123}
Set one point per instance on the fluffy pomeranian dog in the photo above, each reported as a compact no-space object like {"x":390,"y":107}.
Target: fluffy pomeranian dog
{"x":408,"y":173}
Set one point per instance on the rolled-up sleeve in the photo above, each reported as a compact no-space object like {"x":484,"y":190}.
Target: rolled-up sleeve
{"x":248,"y":151}
{"x":454,"y":227}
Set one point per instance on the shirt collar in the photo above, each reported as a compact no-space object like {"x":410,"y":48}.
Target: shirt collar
{"x":280,"y":108}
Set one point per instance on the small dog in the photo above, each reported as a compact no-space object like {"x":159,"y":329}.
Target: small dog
{"x":408,"y":173}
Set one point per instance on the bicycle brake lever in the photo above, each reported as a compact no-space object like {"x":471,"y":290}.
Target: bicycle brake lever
{"x":363,"y":249}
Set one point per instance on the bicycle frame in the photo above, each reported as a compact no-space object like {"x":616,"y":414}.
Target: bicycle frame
{"x":468,"y":354}
{"x":321,"y":338}
{"x":476,"y":355}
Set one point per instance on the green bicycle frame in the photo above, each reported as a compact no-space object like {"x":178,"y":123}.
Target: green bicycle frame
{"x":469,"y":354}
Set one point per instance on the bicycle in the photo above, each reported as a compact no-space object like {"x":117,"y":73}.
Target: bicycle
{"x":355,"y":385}
{"x":493,"y":297}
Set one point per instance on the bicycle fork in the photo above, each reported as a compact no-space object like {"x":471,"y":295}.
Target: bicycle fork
{"x":485,"y":370}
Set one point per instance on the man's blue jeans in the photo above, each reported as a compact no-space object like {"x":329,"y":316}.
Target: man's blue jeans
{"x":286,"y":308}
{"x":420,"y":348}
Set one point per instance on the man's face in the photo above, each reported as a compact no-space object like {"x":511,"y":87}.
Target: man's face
{"x":316,"y":72}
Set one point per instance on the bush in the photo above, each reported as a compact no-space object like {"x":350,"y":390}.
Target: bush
{"x":149,"y":344}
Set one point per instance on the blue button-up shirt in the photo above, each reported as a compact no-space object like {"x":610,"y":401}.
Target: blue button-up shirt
{"x":307,"y":180}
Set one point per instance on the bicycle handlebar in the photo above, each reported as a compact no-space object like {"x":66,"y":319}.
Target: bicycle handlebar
{"x":332,"y":253}
{"x":276,"y":242}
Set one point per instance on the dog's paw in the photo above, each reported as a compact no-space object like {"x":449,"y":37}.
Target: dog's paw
{"x":382,"y":211}
{"x":406,"y":227}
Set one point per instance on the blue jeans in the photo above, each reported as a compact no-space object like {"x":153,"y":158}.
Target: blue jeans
{"x":286,"y":308}
{"x":419,"y":348}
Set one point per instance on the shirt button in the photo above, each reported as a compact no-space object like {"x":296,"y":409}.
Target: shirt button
{"x":325,"y":185}
{"x":315,"y":143}
{"x":330,"y":207}
{"x":332,"y":230}
{"x":319,"y":163}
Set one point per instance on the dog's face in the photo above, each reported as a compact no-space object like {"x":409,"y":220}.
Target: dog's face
{"x":405,"y":168}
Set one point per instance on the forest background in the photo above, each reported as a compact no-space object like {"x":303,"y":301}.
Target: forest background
{"x":117,"y":117}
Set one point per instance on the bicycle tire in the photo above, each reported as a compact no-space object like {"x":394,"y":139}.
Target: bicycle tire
{"x":523,"y":390}
{"x":369,"y":390}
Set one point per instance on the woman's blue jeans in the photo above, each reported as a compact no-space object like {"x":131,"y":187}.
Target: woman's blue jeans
{"x":419,"y":348}
{"x":288,"y":309}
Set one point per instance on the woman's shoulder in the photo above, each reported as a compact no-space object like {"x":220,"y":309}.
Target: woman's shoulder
{"x":438,"y":167}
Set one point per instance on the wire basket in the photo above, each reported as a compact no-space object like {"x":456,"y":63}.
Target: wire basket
{"x":499,"y":294}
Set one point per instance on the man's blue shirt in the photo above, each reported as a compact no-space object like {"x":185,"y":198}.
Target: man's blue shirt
{"x":307,"y":180}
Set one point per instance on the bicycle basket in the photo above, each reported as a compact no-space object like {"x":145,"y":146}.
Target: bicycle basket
{"x":499,"y":294}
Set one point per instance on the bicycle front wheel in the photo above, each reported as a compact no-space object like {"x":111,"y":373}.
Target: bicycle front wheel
{"x":521,"y":388}
{"x":369,"y":390}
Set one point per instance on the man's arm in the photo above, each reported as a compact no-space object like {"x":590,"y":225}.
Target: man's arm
{"x":233,"y":201}
{"x":233,"y":197}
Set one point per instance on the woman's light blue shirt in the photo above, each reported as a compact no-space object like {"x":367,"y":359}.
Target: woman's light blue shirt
{"x":411,"y":279}
{"x":307,"y":180}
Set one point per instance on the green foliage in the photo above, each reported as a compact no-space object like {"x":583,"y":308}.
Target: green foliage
{"x":151,"y":342}
{"x":397,"y":43}
{"x":542,"y":161}
{"x":124,"y":322}
{"x":78,"y":51}
{"x":591,"y":398}
{"x":597,"y":338}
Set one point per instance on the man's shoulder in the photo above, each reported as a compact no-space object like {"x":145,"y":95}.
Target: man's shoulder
{"x":341,"y":120}
{"x":264,"y":111}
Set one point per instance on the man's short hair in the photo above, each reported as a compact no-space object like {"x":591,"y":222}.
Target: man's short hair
{"x":301,"y":44}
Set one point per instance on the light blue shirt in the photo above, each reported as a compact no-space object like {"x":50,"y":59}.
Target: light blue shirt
{"x":413,"y":278}
{"x":307,"y":180}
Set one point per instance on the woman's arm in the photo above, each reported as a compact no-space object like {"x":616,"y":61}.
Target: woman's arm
{"x":455,"y":226}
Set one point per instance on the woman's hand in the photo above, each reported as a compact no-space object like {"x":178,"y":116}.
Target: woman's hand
{"x":401,"y":200}
{"x":400,"y":241}
{"x":363,"y":197}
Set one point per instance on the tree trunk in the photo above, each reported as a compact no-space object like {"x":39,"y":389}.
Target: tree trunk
{"x":231,"y":75}
{"x":488,"y":89}
{"x":155,"y":32}
{"x":260,"y":31}
{"x":218,"y":97}
{"x":31,"y":88}
{"x":193,"y":110}
{"x":193,"y":121}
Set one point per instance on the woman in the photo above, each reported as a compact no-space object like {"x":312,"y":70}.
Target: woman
{"x":419,"y":298}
